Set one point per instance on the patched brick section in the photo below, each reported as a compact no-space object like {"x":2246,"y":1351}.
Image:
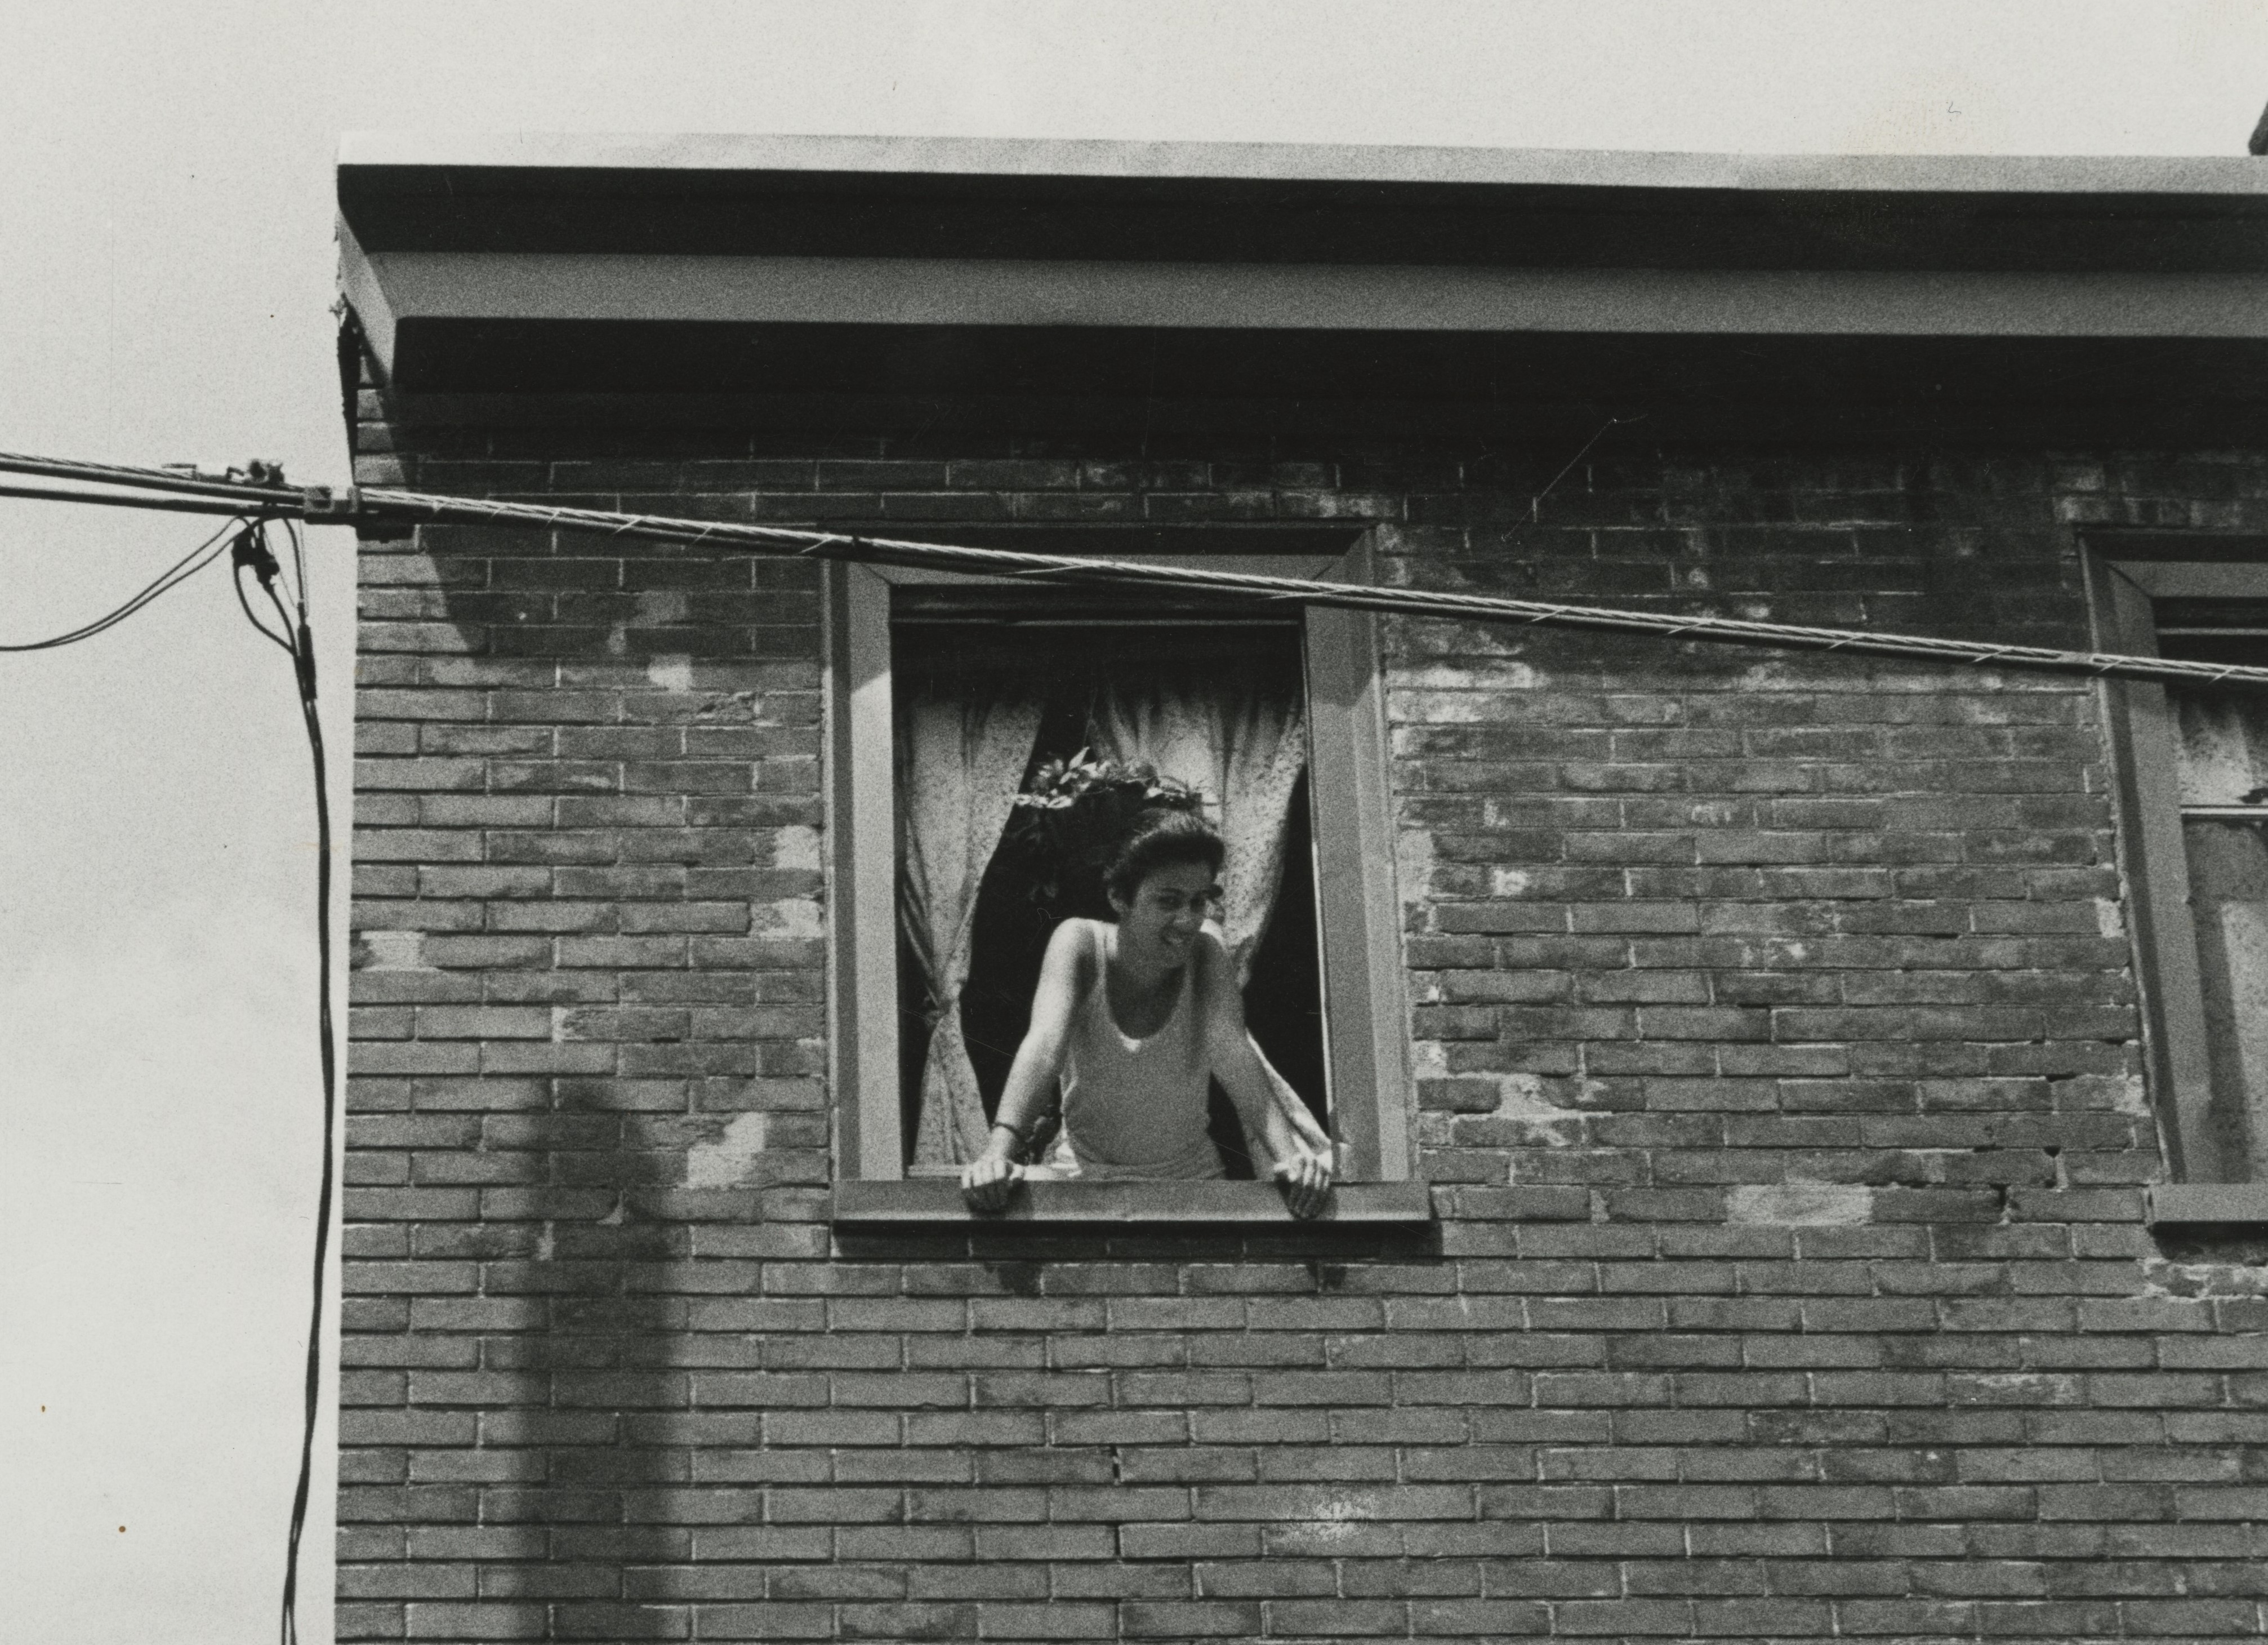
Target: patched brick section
{"x":1775,"y":1043}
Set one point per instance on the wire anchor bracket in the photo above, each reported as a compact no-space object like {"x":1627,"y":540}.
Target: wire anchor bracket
{"x":320,"y":504}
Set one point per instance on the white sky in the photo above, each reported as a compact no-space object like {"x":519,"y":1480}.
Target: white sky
{"x":165,"y":269}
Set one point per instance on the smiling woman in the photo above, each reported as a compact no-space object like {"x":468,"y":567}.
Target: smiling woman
{"x":990,"y":743}
{"x":1026,"y":858}
{"x":1133,"y":1021}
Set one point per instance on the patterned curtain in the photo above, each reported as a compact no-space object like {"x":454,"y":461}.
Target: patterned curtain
{"x":963,"y":747}
{"x":1241,"y":739}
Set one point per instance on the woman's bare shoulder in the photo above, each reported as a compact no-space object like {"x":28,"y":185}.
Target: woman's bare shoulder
{"x":1210,"y":955}
{"x":1218,"y":999}
{"x":1075,"y":940}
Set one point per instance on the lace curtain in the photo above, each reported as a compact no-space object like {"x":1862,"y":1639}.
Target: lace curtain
{"x":961,"y":759}
{"x":1241,"y":739}
{"x":964,"y":741}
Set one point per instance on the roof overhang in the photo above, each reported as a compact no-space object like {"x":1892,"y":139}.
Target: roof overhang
{"x":1942,"y":290}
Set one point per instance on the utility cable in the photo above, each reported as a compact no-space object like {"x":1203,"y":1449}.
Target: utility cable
{"x":253,"y":553}
{"x":1536,"y":503}
{"x":281,"y":640}
{"x":181,"y":504}
{"x":373,"y":506}
{"x":354,"y":506}
{"x":247,"y":546}
{"x":256,"y":483}
{"x":171,"y":578}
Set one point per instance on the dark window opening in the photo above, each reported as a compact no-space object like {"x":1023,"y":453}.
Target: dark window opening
{"x":1066,"y":665}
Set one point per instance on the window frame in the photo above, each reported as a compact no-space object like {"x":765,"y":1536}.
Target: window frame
{"x":2211,"y":1179}
{"x":1365,"y":1001}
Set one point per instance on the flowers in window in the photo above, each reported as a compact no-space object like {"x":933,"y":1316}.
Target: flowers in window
{"x":1070,"y":817}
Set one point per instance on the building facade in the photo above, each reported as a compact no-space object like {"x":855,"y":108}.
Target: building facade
{"x":1800,"y":1179}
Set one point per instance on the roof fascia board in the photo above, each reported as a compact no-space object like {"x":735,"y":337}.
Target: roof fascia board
{"x":388,"y":288}
{"x":2049,"y":175}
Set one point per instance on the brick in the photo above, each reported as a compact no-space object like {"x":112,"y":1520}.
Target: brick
{"x":1191,"y":1619}
{"x":1685,"y":924}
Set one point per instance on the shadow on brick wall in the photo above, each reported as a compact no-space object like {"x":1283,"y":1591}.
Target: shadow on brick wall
{"x":612,"y":876}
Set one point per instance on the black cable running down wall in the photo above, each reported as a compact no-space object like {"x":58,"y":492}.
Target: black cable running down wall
{"x":253,"y":553}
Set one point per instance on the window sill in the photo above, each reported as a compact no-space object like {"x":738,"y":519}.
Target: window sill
{"x":1183,"y":1203}
{"x":2180,"y":1204}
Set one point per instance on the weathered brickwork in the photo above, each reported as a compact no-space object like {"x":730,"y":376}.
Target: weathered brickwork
{"x":1775,"y":1029}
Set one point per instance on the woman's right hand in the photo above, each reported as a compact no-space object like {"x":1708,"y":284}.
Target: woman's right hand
{"x":1305,"y":1180}
{"x":987,"y":1181}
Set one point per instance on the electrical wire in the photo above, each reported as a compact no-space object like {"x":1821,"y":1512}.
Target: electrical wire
{"x":299,"y":563}
{"x":305,"y":657}
{"x":253,"y":553}
{"x":250,"y":616}
{"x":171,"y":578}
{"x":1536,"y":503}
{"x":246,"y":541}
{"x":252,"y":485}
{"x":803,"y":541}
{"x":357,"y":507}
{"x":111,"y":499}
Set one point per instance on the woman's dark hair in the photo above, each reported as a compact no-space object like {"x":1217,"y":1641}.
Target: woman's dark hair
{"x":1160,"y":838}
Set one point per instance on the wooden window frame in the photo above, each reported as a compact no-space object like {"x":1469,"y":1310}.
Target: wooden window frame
{"x":2211,"y":1179}
{"x":1365,"y":1002}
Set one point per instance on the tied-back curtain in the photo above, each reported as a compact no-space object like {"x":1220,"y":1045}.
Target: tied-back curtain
{"x":1242,"y":741}
{"x":960,"y":756}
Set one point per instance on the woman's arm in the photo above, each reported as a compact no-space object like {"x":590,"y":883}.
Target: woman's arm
{"x":1251,"y":1083}
{"x":987,"y":1181}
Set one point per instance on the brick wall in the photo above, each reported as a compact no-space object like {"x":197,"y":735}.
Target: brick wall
{"x":1775,"y":1031}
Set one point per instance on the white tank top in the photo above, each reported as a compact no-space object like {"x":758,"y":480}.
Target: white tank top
{"x":1136,"y":1107}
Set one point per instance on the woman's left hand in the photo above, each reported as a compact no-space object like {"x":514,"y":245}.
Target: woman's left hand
{"x":1306,"y":1178}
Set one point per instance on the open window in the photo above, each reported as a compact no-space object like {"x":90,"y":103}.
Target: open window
{"x":956,"y":705}
{"x":2193,"y":767}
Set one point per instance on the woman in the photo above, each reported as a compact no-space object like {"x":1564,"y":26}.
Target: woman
{"x":1134,"y":1021}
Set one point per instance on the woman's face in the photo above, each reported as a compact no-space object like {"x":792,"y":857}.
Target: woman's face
{"x":1169,"y":908}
